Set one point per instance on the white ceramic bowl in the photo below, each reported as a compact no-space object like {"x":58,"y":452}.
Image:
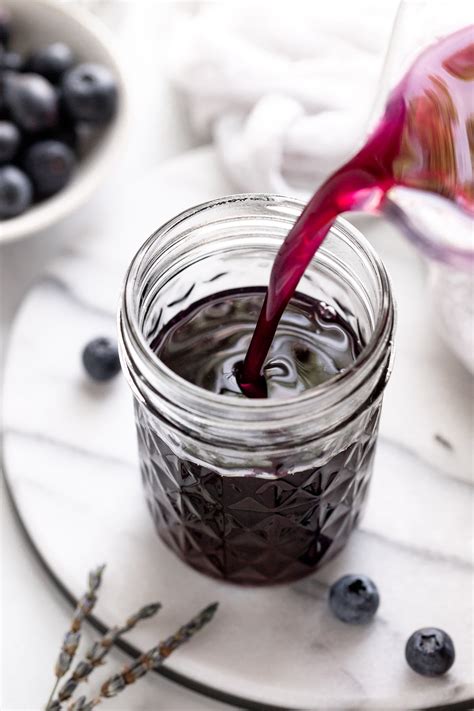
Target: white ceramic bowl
{"x":36,"y":23}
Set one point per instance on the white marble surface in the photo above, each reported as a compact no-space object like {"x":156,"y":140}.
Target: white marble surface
{"x":71,"y":460}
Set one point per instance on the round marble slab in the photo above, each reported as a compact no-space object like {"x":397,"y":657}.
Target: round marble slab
{"x":71,"y":460}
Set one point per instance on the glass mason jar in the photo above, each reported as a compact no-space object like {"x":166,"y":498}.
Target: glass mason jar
{"x":254,"y":491}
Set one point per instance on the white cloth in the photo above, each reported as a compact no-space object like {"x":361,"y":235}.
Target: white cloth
{"x":285,"y":90}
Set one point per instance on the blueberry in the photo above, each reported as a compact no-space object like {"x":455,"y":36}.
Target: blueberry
{"x":100,"y":358}
{"x":430,"y":652}
{"x":51,"y":61}
{"x":11,"y":61}
{"x":354,"y":599}
{"x":9,"y":141}
{"x":66,"y":131}
{"x":50,"y":165}
{"x":32,"y":101}
{"x":90,"y":93}
{"x":15,"y":191}
{"x":5,"y":25}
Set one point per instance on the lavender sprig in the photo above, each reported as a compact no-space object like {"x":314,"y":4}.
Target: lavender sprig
{"x":153,"y":659}
{"x":100,"y":649}
{"x":73,"y":635}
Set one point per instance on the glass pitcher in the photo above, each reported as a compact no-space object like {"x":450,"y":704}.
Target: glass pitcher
{"x":441,"y":227}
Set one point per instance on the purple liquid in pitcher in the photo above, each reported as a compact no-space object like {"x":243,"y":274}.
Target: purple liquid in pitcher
{"x":419,"y":143}
{"x":257,"y":529}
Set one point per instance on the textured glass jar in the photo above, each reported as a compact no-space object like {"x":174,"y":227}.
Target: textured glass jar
{"x":253,"y":491}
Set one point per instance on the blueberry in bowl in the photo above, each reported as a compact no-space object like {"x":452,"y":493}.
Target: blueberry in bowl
{"x":51,"y":61}
{"x":90,"y":93}
{"x":16,"y":192}
{"x":10,"y":139}
{"x":49,"y":165}
{"x":62,"y":112}
{"x":31,"y":102}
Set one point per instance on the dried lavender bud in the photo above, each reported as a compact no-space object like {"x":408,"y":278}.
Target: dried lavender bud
{"x":67,"y":690}
{"x":54,"y":706}
{"x":71,"y":642}
{"x":144,"y":613}
{"x":82,"y":670}
{"x":140,"y":668}
{"x":95,"y":578}
{"x":81,"y":705}
{"x":63,"y":664}
{"x":113,"y":686}
{"x":84,"y":607}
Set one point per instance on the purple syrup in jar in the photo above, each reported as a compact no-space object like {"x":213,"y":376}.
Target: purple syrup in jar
{"x":207,"y":343}
{"x":254,"y":491}
{"x":254,"y":529}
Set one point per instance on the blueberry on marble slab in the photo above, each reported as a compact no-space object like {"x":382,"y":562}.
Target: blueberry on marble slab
{"x":430,"y":651}
{"x":101,"y":359}
{"x":354,"y":599}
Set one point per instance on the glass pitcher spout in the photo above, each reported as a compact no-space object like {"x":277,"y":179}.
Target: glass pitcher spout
{"x":432,"y":198}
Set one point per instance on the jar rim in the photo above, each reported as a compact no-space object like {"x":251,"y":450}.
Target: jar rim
{"x":259,"y":408}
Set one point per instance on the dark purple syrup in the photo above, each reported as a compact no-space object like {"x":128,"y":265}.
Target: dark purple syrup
{"x":206,"y":344}
{"x":422,"y":142}
{"x":257,"y":529}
